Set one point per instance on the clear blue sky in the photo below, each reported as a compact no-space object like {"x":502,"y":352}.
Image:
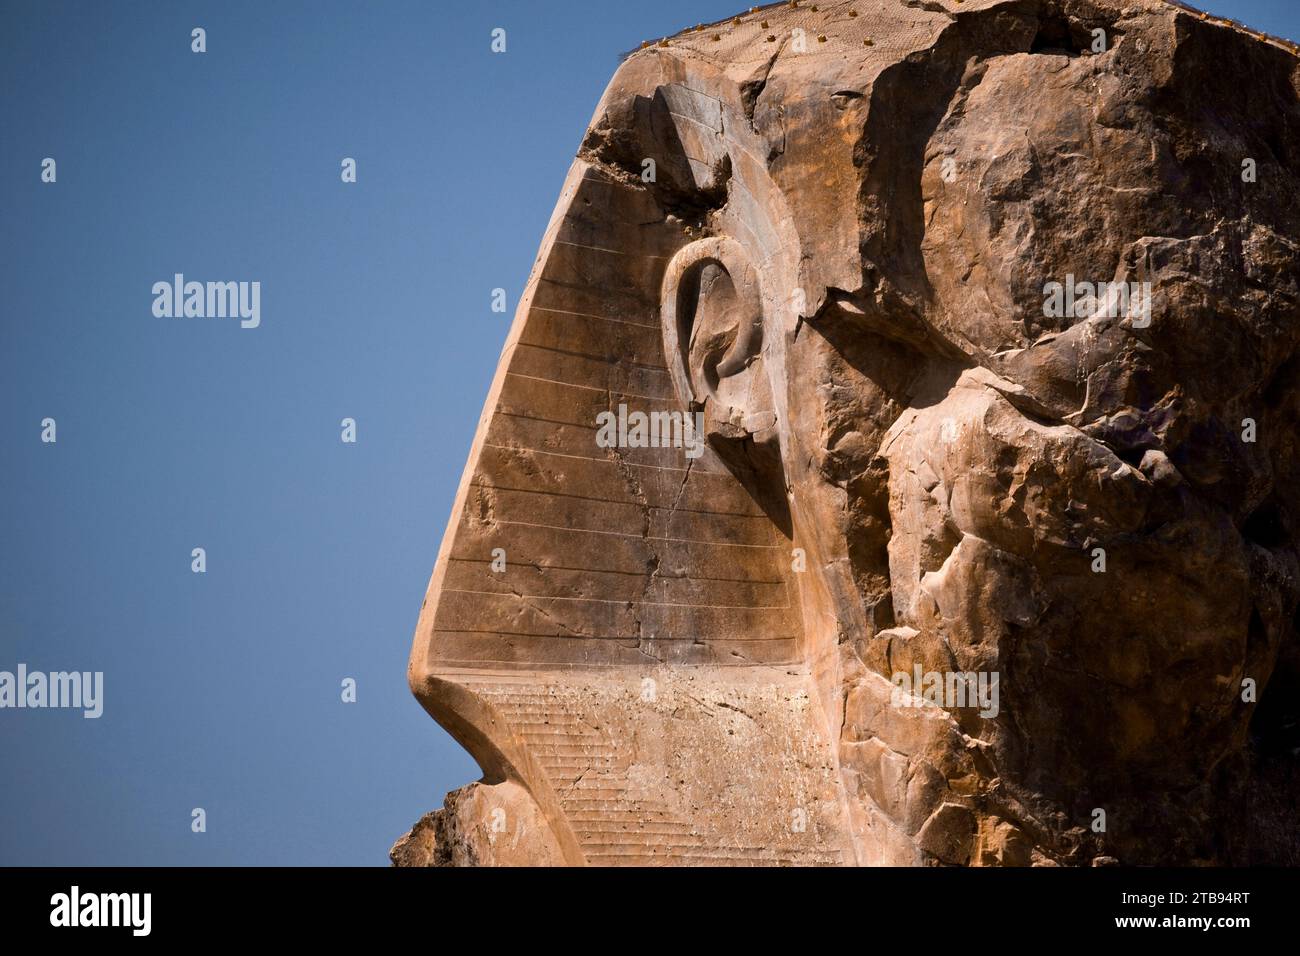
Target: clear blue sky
{"x":222,"y":690}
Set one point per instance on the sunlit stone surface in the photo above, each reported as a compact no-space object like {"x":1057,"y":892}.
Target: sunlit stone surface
{"x":923,"y":464}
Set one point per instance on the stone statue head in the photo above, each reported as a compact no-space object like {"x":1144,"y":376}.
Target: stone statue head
{"x":892,"y":457}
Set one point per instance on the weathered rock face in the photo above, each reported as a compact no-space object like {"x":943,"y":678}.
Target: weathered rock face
{"x":481,"y":825}
{"x":990,"y":313}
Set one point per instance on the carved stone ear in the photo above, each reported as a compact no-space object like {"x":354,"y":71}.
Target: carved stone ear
{"x":712,"y":314}
{"x":712,"y":317}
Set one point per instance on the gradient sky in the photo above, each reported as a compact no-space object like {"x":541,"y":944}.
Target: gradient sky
{"x":222,"y":690}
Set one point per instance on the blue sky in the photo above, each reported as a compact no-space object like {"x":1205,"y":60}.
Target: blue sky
{"x":222,"y":689}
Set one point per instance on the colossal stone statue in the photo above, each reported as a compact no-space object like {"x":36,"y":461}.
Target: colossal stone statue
{"x":988,"y":313}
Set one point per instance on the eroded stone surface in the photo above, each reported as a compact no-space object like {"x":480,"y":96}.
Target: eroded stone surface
{"x":914,"y":466}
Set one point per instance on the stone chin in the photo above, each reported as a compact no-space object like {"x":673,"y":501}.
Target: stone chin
{"x":837,"y":256}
